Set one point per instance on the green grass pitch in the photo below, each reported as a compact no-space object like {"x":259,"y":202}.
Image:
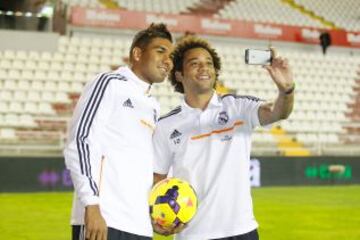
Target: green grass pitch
{"x":284,"y":213}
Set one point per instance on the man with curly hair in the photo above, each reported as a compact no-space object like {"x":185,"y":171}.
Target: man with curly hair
{"x":207,"y":141}
{"x":114,"y":118}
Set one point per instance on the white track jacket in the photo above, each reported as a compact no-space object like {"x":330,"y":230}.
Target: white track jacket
{"x":109,"y":150}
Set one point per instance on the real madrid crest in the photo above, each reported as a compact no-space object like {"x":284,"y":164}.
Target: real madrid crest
{"x":222,"y":118}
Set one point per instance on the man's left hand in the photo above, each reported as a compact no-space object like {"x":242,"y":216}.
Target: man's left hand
{"x":280,"y":72}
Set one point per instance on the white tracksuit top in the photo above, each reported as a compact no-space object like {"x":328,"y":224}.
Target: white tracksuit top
{"x":211,"y":150}
{"x":109,"y":150}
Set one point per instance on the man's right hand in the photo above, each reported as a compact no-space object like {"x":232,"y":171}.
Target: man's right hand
{"x":166,"y":231}
{"x":95,"y":225}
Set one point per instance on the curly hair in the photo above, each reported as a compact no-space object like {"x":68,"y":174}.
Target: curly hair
{"x":178,"y":55}
{"x":144,"y":37}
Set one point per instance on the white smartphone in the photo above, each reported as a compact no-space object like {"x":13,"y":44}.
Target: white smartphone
{"x":258,"y":57}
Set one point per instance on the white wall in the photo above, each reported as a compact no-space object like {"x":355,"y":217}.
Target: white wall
{"x":28,"y":41}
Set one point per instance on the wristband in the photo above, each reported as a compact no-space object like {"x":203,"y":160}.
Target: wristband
{"x":290,"y":91}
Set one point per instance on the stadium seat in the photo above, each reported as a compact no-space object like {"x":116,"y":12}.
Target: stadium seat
{"x":45,"y":109}
{"x":4,"y":107}
{"x":5,"y":64}
{"x":26,"y":120}
{"x":13,"y":74}
{"x":62,"y":97}
{"x":12,"y":120}
{"x":37,"y":85}
{"x":20,"y":95}
{"x":2,"y":120}
{"x":46,"y":56}
{"x":76,"y":87}
{"x":9,"y":55}
{"x":7,"y":134}
{"x":63,"y":86}
{"x":34,"y":55}
{"x":10,"y":84}
{"x":53,"y":76}
{"x":48,"y":97}
{"x":66,"y":76}
{"x":50,"y":86}
{"x":31,"y":108}
{"x":15,"y":107}
{"x":34,"y":96}
{"x":58,"y":57}
{"x":56,"y":66}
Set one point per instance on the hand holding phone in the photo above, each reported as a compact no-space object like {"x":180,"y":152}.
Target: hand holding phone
{"x":258,"y":57}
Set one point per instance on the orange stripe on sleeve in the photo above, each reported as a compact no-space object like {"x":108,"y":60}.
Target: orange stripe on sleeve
{"x":101,"y":172}
{"x":147,"y":124}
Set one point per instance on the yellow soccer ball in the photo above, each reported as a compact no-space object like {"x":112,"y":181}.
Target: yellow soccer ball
{"x":172,"y":201}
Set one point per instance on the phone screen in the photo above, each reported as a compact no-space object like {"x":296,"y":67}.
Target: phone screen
{"x":258,"y":57}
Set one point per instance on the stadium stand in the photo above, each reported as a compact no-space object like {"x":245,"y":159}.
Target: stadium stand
{"x":158,"y":6}
{"x":42,"y":94}
{"x":333,"y":11}
{"x":84,"y":3}
{"x":270,"y":11}
{"x":39,"y":89}
{"x":325,"y":88}
{"x":320,"y":14}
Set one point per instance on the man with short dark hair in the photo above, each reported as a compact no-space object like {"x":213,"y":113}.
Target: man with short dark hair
{"x":211,"y":147}
{"x":325,"y":41}
{"x":109,"y":150}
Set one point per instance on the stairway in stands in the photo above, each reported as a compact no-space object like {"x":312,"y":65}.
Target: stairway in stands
{"x":353,"y":130}
{"x":310,"y":13}
{"x":287,"y":144}
{"x":111,"y":4}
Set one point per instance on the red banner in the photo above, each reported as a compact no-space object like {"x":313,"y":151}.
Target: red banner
{"x":122,"y":19}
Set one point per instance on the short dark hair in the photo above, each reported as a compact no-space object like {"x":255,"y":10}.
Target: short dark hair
{"x":178,"y":55}
{"x":144,"y":37}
